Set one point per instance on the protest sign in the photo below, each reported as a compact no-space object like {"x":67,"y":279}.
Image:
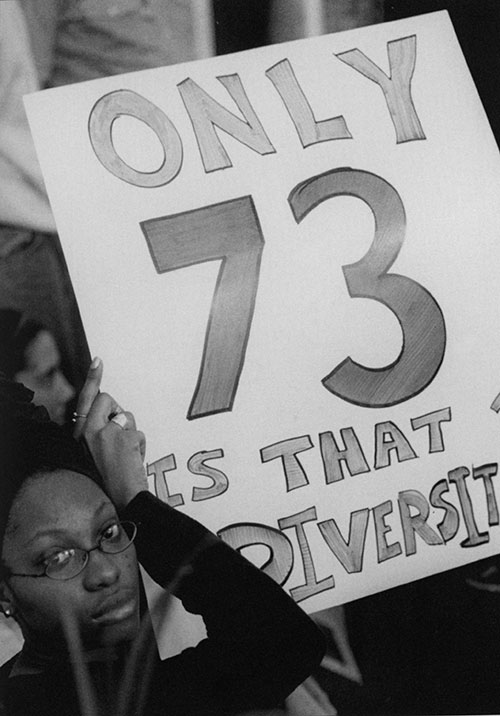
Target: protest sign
{"x":287,"y":259}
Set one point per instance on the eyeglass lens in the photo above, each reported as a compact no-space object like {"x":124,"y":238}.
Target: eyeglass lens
{"x":70,"y":562}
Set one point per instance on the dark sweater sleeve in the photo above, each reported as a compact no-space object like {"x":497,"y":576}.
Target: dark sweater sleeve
{"x":260,"y":645}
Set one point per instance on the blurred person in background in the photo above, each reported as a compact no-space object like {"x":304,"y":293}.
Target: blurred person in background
{"x":33,"y":275}
{"x":29,"y":354}
{"x":47,"y":44}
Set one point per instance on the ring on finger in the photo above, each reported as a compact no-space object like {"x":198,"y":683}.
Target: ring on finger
{"x":120,"y":419}
{"x":76,"y":416}
{"x":116,"y":411}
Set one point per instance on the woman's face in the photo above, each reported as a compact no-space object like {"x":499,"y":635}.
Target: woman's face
{"x":56,"y":511}
{"x":42,"y":374}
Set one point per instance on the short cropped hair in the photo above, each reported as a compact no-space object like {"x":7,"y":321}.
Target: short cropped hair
{"x":31,"y":443}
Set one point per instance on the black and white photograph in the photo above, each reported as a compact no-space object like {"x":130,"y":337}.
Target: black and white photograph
{"x":249,"y":357}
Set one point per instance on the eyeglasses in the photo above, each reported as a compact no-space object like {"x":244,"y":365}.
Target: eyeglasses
{"x":68,"y":563}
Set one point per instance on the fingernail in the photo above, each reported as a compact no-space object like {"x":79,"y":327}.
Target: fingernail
{"x":95,"y":363}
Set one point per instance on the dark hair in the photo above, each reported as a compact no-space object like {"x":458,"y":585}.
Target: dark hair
{"x":31,"y":443}
{"x":16,"y":333}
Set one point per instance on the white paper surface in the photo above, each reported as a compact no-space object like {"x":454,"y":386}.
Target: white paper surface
{"x":284,"y":315}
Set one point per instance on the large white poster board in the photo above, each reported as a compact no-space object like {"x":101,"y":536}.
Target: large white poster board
{"x":288,"y":260}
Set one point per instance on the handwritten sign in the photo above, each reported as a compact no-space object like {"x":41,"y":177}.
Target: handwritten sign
{"x":288,"y":259}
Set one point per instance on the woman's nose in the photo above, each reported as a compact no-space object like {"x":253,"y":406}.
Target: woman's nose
{"x":64,"y":388}
{"x":101,"y":570}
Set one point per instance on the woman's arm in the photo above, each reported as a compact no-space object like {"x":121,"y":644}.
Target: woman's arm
{"x":260,"y":645}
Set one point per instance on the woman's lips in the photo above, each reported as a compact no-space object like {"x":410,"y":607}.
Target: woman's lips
{"x":115,"y":610}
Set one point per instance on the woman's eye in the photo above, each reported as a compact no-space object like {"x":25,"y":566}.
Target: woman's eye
{"x":113,"y":533}
{"x":60,"y":559}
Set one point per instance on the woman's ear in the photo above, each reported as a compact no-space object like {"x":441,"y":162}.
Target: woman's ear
{"x":6,"y":599}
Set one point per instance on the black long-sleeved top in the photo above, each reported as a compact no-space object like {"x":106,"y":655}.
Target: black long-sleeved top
{"x":259,"y":644}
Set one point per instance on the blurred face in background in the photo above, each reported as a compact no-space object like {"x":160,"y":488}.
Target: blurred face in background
{"x":42,"y":374}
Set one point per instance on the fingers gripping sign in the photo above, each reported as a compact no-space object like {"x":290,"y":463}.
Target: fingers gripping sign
{"x":120,"y":419}
{"x":87,"y":395}
{"x":126,"y":421}
{"x":116,"y":445}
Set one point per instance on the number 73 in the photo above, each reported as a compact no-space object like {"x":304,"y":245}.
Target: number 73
{"x":231,"y":232}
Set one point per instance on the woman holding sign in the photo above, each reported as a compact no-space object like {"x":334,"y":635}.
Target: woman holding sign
{"x":76,"y":519}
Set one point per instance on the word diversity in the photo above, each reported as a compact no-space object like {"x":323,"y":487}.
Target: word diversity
{"x":391,"y":444}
